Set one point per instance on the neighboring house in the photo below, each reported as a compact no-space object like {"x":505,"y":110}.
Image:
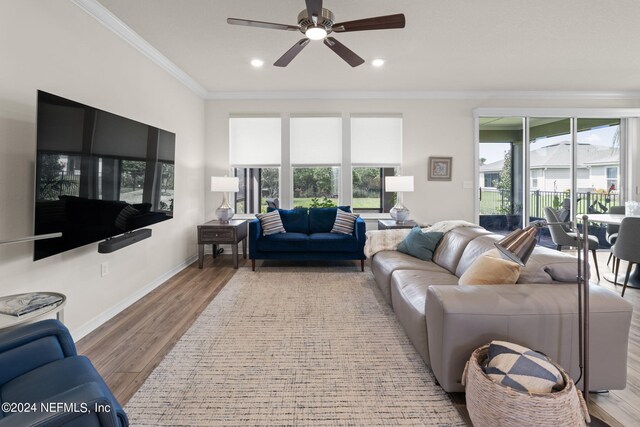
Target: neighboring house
{"x":599,"y":168}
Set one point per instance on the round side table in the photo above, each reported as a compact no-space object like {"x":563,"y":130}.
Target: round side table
{"x":9,"y":321}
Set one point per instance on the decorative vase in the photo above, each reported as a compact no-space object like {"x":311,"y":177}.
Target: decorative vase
{"x":224,"y":212}
{"x":400,"y":213}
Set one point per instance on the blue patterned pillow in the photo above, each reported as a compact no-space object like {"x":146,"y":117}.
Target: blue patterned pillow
{"x":271,"y":223}
{"x":522,"y":368}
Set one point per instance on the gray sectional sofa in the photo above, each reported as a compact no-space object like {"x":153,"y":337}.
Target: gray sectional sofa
{"x":446,"y":322}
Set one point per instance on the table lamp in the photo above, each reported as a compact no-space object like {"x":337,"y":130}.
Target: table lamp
{"x":224,"y":184}
{"x":398,"y":184}
{"x":518,"y":246}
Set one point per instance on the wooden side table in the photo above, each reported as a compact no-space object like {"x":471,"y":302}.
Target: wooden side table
{"x":215,"y":233}
{"x":388,"y":224}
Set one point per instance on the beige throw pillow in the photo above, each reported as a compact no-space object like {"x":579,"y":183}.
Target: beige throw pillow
{"x":489,"y":270}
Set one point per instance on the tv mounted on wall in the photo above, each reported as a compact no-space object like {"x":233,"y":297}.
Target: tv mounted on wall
{"x":98,"y":175}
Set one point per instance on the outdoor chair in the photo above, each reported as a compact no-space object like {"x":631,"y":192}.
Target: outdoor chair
{"x":627,"y":247}
{"x":273,"y":203}
{"x":612,"y":229}
{"x":561,"y":237}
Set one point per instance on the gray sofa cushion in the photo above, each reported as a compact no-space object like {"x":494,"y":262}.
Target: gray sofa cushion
{"x":474,"y":249}
{"x":408,"y":296}
{"x":453,"y":244}
{"x":385,"y":263}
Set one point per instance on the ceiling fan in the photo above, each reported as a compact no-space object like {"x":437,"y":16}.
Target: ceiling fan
{"x":316,"y":23}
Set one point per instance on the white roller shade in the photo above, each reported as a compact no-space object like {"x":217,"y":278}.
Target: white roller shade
{"x":316,"y":140}
{"x":254,"y":141}
{"x":376,"y":140}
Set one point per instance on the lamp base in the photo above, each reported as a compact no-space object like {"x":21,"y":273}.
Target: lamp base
{"x":400,"y":213}
{"x":224,"y":212}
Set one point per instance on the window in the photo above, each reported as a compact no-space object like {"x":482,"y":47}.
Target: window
{"x":313,"y":166}
{"x":316,"y":153}
{"x":254,"y":152}
{"x":612,"y":178}
{"x":368,"y":189}
{"x":376,"y":152}
{"x":491,"y":179}
{"x":315,"y":186}
{"x":259,"y":189}
{"x":534,"y":178}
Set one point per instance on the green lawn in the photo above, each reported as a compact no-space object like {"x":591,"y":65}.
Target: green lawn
{"x":359,"y":203}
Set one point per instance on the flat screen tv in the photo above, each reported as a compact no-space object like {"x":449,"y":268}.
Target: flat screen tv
{"x":98,"y":175}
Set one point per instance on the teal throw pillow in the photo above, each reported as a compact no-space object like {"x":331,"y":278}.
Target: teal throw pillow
{"x":420,"y":245}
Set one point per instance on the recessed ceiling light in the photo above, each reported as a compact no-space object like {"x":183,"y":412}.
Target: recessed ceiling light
{"x":257,"y":63}
{"x":377,"y":62}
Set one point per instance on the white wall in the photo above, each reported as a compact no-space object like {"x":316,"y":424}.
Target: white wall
{"x":56,"y":47}
{"x":435,"y":127}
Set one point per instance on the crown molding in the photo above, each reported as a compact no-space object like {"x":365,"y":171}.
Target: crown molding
{"x":113,"y":23}
{"x":399,"y":95}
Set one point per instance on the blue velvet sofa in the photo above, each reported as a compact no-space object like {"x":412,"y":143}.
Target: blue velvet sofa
{"x":43,"y":381}
{"x":308,"y":237}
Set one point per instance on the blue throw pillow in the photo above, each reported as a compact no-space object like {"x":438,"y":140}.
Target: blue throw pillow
{"x":420,"y":245}
{"x":294,"y":220}
{"x":321,"y":220}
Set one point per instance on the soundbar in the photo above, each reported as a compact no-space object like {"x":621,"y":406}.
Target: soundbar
{"x":115,"y":243}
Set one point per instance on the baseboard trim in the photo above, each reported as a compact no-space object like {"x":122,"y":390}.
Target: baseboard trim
{"x":97,"y":321}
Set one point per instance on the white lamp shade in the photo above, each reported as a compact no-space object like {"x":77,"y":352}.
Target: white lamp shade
{"x":225,"y":183}
{"x":396,"y":184}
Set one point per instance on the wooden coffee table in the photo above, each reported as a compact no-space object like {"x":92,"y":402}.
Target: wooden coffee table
{"x":215,"y":233}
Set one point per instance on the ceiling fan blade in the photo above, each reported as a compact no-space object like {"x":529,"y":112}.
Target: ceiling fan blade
{"x":261,"y":24}
{"x":314,"y":7}
{"x":377,"y":23}
{"x":343,"y":52}
{"x":291,"y":53}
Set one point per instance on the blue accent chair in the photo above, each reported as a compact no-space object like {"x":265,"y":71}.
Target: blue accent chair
{"x":41,"y":370}
{"x":308,"y":237}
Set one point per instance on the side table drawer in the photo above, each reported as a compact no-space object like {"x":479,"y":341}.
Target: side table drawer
{"x":213,"y":235}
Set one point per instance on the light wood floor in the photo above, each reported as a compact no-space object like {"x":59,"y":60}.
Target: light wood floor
{"x":128,"y":347}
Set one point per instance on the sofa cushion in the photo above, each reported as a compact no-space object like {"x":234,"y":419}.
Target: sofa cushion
{"x":488,"y":269}
{"x":474,"y":249}
{"x":332,"y":242}
{"x":408,"y":297}
{"x":548,"y":265}
{"x":271,"y":223}
{"x":283,"y":242}
{"x":321,"y":220}
{"x":295,"y":220}
{"x":344,"y":222}
{"x":420,"y":245}
{"x":453,"y":244}
{"x":521,"y":368}
{"x":384,"y":263}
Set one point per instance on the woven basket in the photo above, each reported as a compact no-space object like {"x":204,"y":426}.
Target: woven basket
{"x":493,"y":404}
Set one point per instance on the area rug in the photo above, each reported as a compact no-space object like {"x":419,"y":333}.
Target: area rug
{"x":294,"y":347}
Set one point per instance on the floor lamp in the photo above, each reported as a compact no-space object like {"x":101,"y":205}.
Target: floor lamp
{"x":518,"y":246}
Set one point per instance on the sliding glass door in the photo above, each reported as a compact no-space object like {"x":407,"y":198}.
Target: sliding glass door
{"x":526,"y":164}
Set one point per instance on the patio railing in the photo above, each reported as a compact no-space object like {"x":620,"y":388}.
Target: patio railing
{"x":495,"y":202}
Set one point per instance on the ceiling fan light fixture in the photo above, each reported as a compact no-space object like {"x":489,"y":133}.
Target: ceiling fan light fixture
{"x":316,"y":33}
{"x":378,"y":62}
{"x":257,"y":63}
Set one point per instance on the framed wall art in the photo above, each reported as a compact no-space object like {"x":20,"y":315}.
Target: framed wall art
{"x":439,"y":169}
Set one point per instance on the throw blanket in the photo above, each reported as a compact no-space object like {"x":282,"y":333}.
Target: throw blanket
{"x":388,"y":240}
